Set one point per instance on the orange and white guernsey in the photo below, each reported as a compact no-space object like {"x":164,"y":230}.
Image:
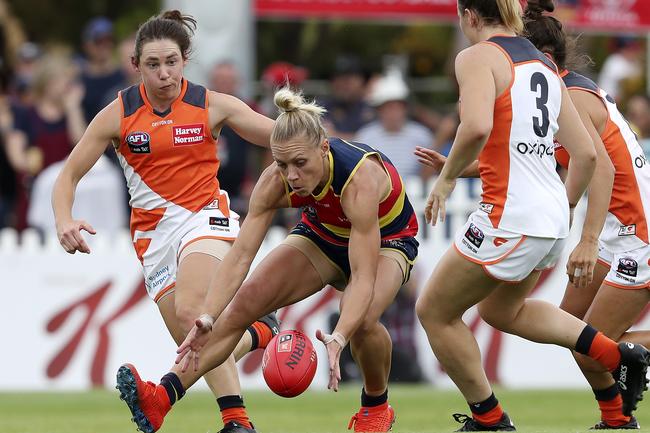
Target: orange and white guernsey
{"x":626,"y":225}
{"x":168,"y":157}
{"x":522,"y":192}
{"x":170,"y":163}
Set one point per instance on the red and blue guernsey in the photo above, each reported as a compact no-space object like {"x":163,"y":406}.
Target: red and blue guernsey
{"x":323,"y":213}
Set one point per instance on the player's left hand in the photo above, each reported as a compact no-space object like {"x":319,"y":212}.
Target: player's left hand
{"x":334,"y":343}
{"x":435,"y":206}
{"x":188,"y":351}
{"x":582,"y":261}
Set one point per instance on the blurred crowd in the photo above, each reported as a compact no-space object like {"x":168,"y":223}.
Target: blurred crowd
{"x":48,"y":96}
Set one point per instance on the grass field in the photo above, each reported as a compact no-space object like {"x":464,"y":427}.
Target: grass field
{"x":419,"y":409}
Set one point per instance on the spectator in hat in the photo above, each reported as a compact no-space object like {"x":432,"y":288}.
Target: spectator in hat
{"x":347,"y":110}
{"x":100,"y":74}
{"x":393,"y":133}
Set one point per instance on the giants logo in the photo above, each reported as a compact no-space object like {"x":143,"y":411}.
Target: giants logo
{"x":627,"y":230}
{"x":187,"y":135}
{"x":139,"y":142}
{"x":474,"y":235}
{"x":627,"y":266}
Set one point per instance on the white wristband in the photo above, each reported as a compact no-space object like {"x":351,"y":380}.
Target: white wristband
{"x":207,"y":320}
{"x":336,"y":336}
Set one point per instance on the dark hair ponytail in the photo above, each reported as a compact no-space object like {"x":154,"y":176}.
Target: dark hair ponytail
{"x":548,"y":35}
{"x":170,"y":24}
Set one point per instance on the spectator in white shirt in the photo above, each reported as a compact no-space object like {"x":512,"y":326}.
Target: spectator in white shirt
{"x":393,"y":133}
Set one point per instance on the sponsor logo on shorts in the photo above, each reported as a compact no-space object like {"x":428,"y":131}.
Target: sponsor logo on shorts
{"x":486,"y":207}
{"x":474,"y":235}
{"x":627,"y":230}
{"x":627,"y":266}
{"x":219,"y":221}
{"x":499,"y":241}
{"x":285,"y":344}
{"x":139,"y":142}
{"x":158,"y":278}
{"x":188,"y":135}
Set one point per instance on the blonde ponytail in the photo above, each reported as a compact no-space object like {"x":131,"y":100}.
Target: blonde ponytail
{"x":298,"y":118}
{"x":510,"y":11}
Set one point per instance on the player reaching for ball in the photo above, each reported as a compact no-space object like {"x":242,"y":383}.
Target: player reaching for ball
{"x":356,"y":233}
{"x":164,"y":132}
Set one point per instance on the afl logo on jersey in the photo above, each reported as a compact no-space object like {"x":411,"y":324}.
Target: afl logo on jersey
{"x":139,"y":142}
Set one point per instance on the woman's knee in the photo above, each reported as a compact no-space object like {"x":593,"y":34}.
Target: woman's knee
{"x":493,"y":316}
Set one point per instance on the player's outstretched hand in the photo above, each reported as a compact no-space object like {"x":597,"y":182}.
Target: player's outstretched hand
{"x":334,"y":343}
{"x":70,"y":238}
{"x":188,"y":351}
{"x":430,"y":158}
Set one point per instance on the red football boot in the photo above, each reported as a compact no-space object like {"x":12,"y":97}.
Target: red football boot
{"x":373,"y":419}
{"x":147,"y":401}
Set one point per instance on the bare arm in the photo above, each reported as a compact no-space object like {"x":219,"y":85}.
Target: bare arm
{"x":577,"y":141}
{"x":268,"y":195}
{"x":104,"y":128}
{"x":360,"y":202}
{"x":477,"y":93}
{"x":435,"y":161}
{"x":584,"y":256}
{"x":248,"y":124}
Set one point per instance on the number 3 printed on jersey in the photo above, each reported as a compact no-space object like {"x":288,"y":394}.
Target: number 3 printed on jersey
{"x":539,"y":85}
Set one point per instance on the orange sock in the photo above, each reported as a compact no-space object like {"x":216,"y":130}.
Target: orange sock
{"x":237,"y":414}
{"x":611,"y":406}
{"x":488,"y":412}
{"x":605,"y":351}
{"x":261,"y":335}
{"x":612,"y":412}
{"x":491,"y":417}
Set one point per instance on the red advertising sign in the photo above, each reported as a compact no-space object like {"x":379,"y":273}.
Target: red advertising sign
{"x":358,"y":9}
{"x":606,"y":15}
{"x":597,"y":15}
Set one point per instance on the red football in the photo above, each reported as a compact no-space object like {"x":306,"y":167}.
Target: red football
{"x":289,"y":363}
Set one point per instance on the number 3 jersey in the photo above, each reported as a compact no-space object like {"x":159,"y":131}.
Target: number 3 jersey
{"x":522,"y":192}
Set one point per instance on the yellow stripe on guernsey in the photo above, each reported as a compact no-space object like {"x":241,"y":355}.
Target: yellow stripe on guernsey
{"x":327,"y":186}
{"x":394,"y":212}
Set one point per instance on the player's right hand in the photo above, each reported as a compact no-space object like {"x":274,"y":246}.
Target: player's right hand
{"x":70,"y":238}
{"x":430,"y":158}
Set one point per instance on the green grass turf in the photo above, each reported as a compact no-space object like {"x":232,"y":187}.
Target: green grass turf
{"x":418,"y":408}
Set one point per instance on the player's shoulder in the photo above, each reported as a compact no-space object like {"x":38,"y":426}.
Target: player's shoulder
{"x":271,"y":189}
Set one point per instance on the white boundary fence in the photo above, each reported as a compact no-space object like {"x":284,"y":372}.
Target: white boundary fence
{"x":68,"y":321}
